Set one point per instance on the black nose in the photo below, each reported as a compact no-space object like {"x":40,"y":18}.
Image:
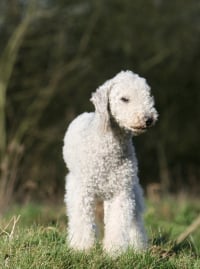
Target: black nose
{"x":149,"y":122}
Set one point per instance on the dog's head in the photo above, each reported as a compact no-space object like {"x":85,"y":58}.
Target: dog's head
{"x":126,"y":98}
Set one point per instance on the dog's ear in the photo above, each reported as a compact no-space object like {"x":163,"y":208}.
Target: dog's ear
{"x":100,"y":99}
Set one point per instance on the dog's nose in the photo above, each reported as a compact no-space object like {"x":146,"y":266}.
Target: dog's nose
{"x":149,"y":121}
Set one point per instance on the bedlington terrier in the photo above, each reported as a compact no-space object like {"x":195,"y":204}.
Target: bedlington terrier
{"x":101,"y":159}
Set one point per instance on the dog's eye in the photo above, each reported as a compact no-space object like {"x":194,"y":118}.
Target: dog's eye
{"x":124,"y":99}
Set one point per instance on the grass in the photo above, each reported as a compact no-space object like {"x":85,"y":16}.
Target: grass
{"x":38,"y":240}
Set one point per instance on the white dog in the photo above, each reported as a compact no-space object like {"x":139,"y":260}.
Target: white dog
{"x":101,"y":159}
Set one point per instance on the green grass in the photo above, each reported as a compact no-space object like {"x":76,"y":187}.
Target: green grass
{"x":38,"y":240}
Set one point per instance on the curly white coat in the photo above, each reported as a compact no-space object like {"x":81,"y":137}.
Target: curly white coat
{"x":101,"y":159}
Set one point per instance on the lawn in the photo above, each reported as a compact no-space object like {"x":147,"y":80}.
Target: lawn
{"x":34,"y":236}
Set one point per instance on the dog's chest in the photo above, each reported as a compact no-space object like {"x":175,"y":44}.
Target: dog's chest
{"x":109,"y":152}
{"x":113,"y":168}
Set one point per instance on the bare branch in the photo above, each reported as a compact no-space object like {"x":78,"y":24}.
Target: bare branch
{"x":14,"y":220}
{"x":190,"y":229}
{"x":89,"y":30}
{"x":7,"y":62}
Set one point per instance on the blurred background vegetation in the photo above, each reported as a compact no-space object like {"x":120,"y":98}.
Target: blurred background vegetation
{"x":54,"y":53}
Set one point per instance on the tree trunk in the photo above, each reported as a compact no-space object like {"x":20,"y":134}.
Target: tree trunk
{"x":164,"y":171}
{"x":2,"y":121}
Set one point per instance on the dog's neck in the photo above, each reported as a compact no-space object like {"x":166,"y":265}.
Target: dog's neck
{"x":119,"y":133}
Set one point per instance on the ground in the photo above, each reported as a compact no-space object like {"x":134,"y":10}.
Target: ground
{"x":38,"y":239}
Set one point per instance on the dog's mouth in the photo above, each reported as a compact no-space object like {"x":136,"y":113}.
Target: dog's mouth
{"x":142,"y":126}
{"x":138,"y":129}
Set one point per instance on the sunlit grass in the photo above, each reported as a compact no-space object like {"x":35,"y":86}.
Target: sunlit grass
{"x":38,"y":240}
